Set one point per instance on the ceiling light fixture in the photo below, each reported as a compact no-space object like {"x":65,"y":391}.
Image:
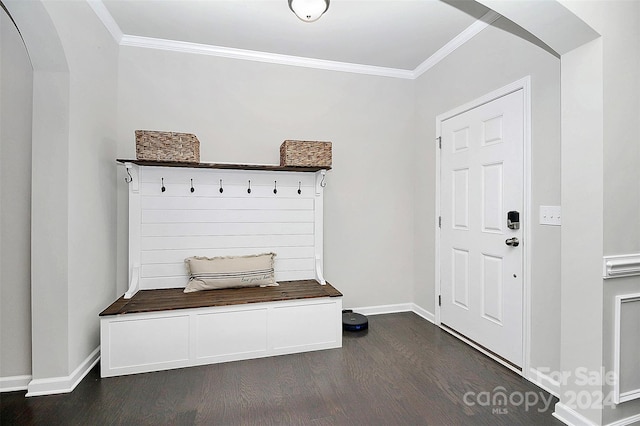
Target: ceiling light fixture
{"x":309,"y":10}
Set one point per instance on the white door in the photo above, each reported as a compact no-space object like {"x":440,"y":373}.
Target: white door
{"x":482,"y":179}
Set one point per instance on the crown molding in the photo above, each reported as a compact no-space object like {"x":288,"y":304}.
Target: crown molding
{"x":103,"y":14}
{"x":466,"y":35}
{"x":256,"y":56}
{"x":275,"y":58}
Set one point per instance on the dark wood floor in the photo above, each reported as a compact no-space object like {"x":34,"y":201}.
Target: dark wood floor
{"x":403,"y":371}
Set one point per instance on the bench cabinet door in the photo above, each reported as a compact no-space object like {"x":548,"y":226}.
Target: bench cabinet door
{"x":223,"y":336}
{"x":144,"y":344}
{"x":305,"y":327}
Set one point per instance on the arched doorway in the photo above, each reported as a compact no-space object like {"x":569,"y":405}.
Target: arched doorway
{"x":16,"y":94}
{"x":47,"y":161}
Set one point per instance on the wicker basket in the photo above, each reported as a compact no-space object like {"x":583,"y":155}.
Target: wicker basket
{"x":167,"y":146}
{"x":305,"y":154}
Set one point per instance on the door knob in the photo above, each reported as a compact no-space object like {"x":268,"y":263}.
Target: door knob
{"x":513,"y":242}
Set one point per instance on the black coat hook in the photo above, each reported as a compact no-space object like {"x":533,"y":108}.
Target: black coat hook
{"x":192,"y":188}
{"x":128,"y":178}
{"x":275,"y":186}
{"x":221,"y":189}
{"x":163,"y":188}
{"x":249,"y":188}
{"x":299,"y":188}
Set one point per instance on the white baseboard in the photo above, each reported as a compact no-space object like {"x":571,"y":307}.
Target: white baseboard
{"x":424,"y":313}
{"x":384,"y":309}
{"x":14,"y":383}
{"x":392,"y":309}
{"x":633,"y":420}
{"x":544,"y":381}
{"x":64,"y":384}
{"x":571,"y":417}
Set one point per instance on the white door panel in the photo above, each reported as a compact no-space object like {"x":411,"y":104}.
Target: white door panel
{"x":481,"y":180}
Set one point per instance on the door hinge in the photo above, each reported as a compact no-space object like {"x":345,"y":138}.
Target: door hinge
{"x":439,"y":300}
{"x":439,"y":140}
{"x":439,"y":221}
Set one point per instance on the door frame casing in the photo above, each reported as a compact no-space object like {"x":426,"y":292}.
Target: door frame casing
{"x":523,"y":84}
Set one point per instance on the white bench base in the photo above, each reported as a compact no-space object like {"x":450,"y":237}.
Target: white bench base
{"x":142,"y":342}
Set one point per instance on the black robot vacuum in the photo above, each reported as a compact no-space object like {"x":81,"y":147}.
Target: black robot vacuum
{"x":352,"y":321}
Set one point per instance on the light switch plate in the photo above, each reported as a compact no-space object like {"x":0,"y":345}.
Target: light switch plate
{"x":550,"y":215}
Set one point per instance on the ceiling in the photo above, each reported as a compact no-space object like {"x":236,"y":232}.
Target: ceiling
{"x":397,"y":34}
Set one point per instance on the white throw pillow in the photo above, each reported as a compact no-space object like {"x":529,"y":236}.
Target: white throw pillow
{"x":210,"y":273}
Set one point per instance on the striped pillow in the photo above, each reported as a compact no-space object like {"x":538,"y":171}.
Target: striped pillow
{"x":229,"y":272}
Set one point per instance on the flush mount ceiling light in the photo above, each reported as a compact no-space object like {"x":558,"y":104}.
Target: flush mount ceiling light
{"x":309,"y":10}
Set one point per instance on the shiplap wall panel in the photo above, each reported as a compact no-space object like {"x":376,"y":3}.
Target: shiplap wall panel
{"x":224,"y":202}
{"x":224,"y":216}
{"x":181,"y":281}
{"x":167,"y":256}
{"x":178,"y":269}
{"x":175,"y":224}
{"x":227,"y":241}
{"x":290,"y":189}
{"x":211,"y":229}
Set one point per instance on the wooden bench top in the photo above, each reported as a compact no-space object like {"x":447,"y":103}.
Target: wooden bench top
{"x":175,"y":298}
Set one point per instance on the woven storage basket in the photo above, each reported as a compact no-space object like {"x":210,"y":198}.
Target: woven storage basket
{"x":305,"y":154}
{"x":167,"y":146}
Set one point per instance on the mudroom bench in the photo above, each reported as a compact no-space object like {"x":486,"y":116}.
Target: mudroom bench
{"x":181,"y":210}
{"x":166,"y":328}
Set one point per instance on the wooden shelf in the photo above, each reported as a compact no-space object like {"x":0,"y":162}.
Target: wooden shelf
{"x":272,"y":168}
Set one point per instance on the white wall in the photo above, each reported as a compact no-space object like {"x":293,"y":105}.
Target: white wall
{"x":48,"y":202}
{"x":619,"y":24}
{"x":582,"y":227}
{"x":241,"y":111}
{"x":492,"y":59}
{"x":16,"y":81}
{"x":92,"y":57}
{"x":73,"y":183}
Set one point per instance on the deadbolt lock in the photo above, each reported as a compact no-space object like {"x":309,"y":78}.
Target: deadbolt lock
{"x":513,"y":220}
